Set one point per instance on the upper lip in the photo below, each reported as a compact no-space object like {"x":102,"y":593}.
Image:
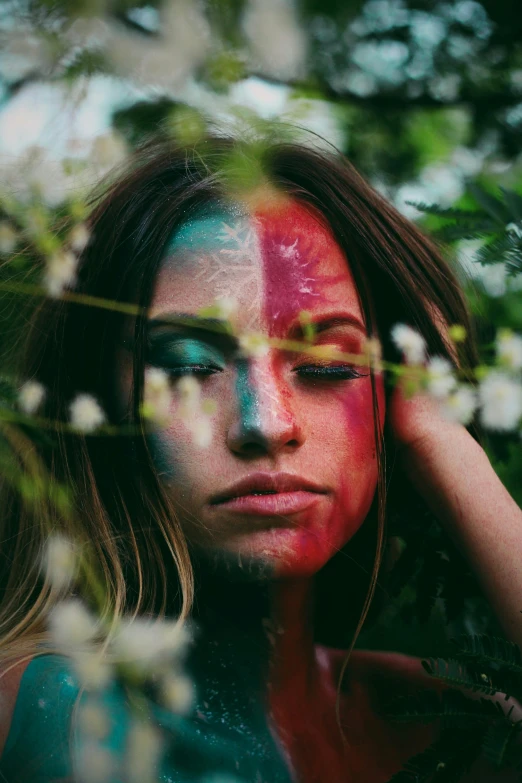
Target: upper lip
{"x":259,"y":482}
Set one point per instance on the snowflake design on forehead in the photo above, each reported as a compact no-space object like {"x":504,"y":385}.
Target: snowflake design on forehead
{"x":293,"y":267}
{"x":240,"y":250}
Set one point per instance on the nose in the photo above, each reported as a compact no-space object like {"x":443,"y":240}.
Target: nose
{"x":265,"y":422}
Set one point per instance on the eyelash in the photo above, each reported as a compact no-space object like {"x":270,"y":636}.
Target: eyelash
{"x":325,"y":372}
{"x":193,"y":369}
{"x":329,"y":372}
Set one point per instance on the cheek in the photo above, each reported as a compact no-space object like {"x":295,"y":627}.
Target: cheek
{"x":355,"y":445}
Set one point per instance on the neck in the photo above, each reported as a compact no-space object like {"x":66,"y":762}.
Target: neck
{"x":269,"y":622}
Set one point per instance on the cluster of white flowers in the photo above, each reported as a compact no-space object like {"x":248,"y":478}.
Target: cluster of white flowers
{"x":195,"y":413}
{"x":148,"y":645}
{"x":72,"y":626}
{"x":501,"y":401}
{"x":509,"y":349}
{"x":498,"y":397}
{"x":254,"y":345}
{"x":411,"y":344}
{"x":59,"y":561}
{"x":31,"y":396}
{"x":277,"y":40}
{"x":166,"y":61}
{"x":157,"y":395}
{"x":60,"y":272}
{"x":86,"y":413}
{"x":8,"y":238}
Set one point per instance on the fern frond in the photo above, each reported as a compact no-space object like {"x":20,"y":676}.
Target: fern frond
{"x":492,"y":205}
{"x":487,"y":650}
{"x":506,"y":248}
{"x":456,"y":232}
{"x":451,"y":707}
{"x":445,"y":761}
{"x":455,"y":674}
{"x":447,"y":212}
{"x":498,"y":740}
{"x":513,"y":202}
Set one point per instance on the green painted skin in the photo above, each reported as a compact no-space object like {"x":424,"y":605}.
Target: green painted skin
{"x":227,"y":737}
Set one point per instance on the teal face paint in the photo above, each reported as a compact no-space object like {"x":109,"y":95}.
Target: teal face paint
{"x":248,"y":403}
{"x":211,"y":229}
{"x":176,"y":353}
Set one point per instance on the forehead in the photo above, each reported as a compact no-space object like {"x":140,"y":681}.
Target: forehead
{"x":275,"y":263}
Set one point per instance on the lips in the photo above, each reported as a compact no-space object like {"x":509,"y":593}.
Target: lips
{"x":269,"y":494}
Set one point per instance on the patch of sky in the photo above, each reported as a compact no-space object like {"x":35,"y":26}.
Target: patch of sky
{"x":146,"y":16}
{"x":472,"y":14}
{"x":427,"y":29}
{"x":420,"y":65}
{"x":437,"y":184}
{"x":514,"y":115}
{"x":379,"y":16}
{"x":382,"y":59}
{"x":515,"y":77}
{"x":323,"y":29}
{"x":461,"y":47}
{"x":445,"y":88}
{"x":358,"y":82}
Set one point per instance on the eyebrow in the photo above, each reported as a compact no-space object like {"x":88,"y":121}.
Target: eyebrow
{"x":214,"y":325}
{"x":323,"y":323}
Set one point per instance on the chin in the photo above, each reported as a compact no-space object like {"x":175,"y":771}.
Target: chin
{"x":281,"y":552}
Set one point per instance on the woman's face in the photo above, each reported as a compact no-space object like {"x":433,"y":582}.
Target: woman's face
{"x":291,"y":468}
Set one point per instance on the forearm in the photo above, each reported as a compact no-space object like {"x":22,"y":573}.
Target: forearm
{"x":456,"y":477}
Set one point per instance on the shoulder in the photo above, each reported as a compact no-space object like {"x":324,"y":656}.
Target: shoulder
{"x":39,"y":696}
{"x":10,"y":679}
{"x":373,"y":676}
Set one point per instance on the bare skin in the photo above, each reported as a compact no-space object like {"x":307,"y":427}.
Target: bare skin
{"x":282,"y":415}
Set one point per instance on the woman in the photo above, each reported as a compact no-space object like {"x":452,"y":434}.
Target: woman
{"x":266,"y":518}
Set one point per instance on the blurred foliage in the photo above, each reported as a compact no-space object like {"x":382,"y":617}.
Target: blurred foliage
{"x":419,"y":89}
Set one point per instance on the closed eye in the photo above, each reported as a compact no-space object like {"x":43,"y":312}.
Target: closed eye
{"x":329,"y":372}
{"x":193,"y":369}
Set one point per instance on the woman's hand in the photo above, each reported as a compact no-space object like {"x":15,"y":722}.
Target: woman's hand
{"x":451,"y":470}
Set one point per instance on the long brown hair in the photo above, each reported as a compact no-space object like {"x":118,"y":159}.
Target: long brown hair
{"x":121,"y":508}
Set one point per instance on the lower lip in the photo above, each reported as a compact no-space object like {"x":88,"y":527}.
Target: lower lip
{"x":271,"y":505}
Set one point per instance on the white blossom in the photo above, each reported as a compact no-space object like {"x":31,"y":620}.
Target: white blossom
{"x":501,"y":401}
{"x":226,"y":307}
{"x":60,"y":272}
{"x":79,"y":237}
{"x":8,"y":238}
{"x":23,"y":54}
{"x":86,"y":414}
{"x":509,"y":349}
{"x":189,"y":394}
{"x":157,"y":395}
{"x":441,"y":380}
{"x":31,"y":396}
{"x":71,"y":624}
{"x":177,"y":692}
{"x":59,"y":561}
{"x":94,"y":720}
{"x":277,"y":40}
{"x":96,"y":764}
{"x":373,"y":351}
{"x":460,"y":405}
{"x":410,"y":343}
{"x":201,"y":429}
{"x":146,"y":644}
{"x":92,"y":669}
{"x":108,"y":150}
{"x":143,"y":751}
{"x":254,"y":345}
{"x":169,"y":59}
